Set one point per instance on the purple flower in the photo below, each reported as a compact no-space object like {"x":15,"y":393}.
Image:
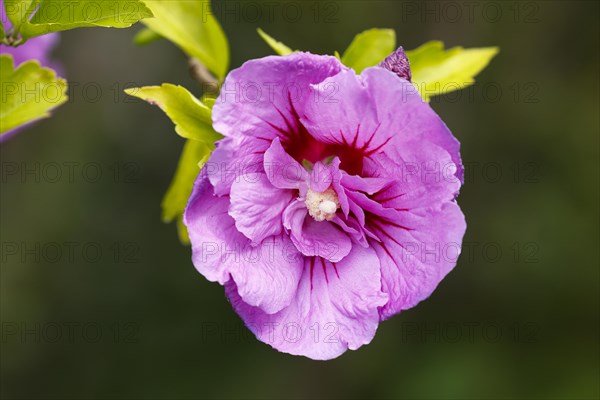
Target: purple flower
{"x":329,"y":206}
{"x":37,"y":48}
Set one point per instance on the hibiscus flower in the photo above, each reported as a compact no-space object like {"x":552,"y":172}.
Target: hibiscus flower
{"x":329,"y":205}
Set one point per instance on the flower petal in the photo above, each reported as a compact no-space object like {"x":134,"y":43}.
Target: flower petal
{"x":414,"y":262}
{"x":335,"y":308}
{"x":257,"y":206}
{"x":232,"y":158}
{"x":266,"y":274}
{"x":368,"y":112}
{"x":321,"y":177}
{"x":358,"y":111}
{"x":260,"y":98}
{"x":417,"y":227}
{"x":282,"y":170}
{"x":312,"y":238}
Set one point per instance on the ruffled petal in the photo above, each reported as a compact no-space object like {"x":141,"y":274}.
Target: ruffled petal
{"x":282,"y":170}
{"x":425,"y":177}
{"x":257,"y":206}
{"x":266,"y":274}
{"x":416,"y":256}
{"x":263,"y":97}
{"x":335,"y":308}
{"x":416,"y":225}
{"x":362,"y":112}
{"x":312,"y":238}
{"x":321,"y":177}
{"x":232,"y":158}
{"x":368,"y":112}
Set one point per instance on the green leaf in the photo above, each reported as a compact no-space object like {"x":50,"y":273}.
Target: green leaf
{"x":369,"y":48}
{"x":1,"y":27}
{"x":193,"y":157}
{"x":38,"y":17}
{"x":279,"y":47}
{"x":209,"y":101}
{"x":192,"y":120}
{"x":17,"y":11}
{"x":28,"y":93}
{"x":192,"y":27}
{"x":436,"y":71}
{"x":191,"y":117}
{"x":146,"y":36}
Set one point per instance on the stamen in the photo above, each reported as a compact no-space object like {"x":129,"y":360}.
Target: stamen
{"x":322,"y":205}
{"x":328,"y":207}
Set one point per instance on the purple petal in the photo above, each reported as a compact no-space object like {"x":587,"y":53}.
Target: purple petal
{"x":321,"y":177}
{"x":266,"y":275}
{"x":354,"y":111}
{"x":283,"y":171}
{"x":372,"y":113}
{"x":419,"y":227}
{"x":335,"y":308}
{"x":312,"y":238}
{"x":260,"y":99}
{"x":232,"y":158}
{"x":257,"y":206}
{"x":414,"y":262}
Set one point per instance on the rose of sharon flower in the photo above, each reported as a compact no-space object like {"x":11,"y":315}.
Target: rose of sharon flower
{"x":329,"y":206}
{"x":37,"y":48}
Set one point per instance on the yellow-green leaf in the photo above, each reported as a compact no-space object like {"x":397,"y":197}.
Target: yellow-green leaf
{"x":38,"y":17}
{"x":17,"y":11}
{"x":437,"y":71}
{"x":369,"y":48}
{"x":28,"y":93}
{"x":279,"y":47}
{"x":193,"y":157}
{"x":191,"y":117}
{"x":191,"y":26}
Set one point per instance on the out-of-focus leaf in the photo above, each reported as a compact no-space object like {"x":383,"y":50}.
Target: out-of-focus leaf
{"x":191,"y":117}
{"x":436,"y":71}
{"x":146,"y":36}
{"x":278,"y":47}
{"x":37,"y":17}
{"x":191,"y":25}
{"x":28,"y":93}
{"x":369,"y":48}
{"x":193,"y":157}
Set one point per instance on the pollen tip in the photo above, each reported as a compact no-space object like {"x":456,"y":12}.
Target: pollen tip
{"x":322,"y":205}
{"x":328,"y":207}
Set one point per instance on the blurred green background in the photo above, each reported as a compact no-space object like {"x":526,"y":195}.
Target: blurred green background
{"x":124,"y":314}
